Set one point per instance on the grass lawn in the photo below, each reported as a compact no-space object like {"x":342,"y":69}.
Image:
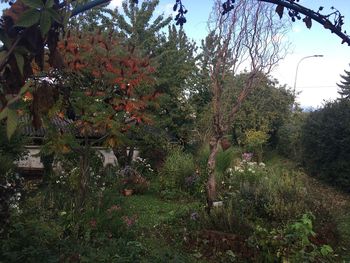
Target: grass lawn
{"x":158,"y":224}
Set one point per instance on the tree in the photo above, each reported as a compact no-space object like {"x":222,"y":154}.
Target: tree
{"x":102,"y":83}
{"x":250,"y":35}
{"x":344,"y":86}
{"x":139,"y":26}
{"x":326,"y":143}
{"x":266,"y":108}
{"x":174,"y":113}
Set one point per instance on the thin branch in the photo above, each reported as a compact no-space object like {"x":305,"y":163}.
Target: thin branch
{"x":322,"y":19}
{"x":9,"y":52}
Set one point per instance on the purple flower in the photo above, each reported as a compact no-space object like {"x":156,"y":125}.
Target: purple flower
{"x":247,"y":157}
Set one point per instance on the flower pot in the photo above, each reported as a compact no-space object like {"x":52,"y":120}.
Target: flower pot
{"x":128,"y":192}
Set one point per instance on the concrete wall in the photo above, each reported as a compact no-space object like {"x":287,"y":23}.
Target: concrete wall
{"x":32,"y":159}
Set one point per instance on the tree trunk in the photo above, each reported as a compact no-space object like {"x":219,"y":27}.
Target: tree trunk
{"x":84,"y":165}
{"x":211,"y":183}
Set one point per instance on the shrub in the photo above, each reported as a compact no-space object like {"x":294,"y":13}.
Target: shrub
{"x":326,"y":143}
{"x":290,"y":243}
{"x":254,"y":141}
{"x":177,"y":167}
{"x":289,"y":137}
{"x":224,"y":159}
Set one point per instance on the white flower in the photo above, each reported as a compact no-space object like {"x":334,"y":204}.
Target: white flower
{"x":262,"y":164}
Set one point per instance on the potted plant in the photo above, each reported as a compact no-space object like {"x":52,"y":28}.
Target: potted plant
{"x":128,"y":187}
{"x":127,"y":192}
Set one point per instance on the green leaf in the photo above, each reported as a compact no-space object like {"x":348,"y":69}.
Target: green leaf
{"x":3,"y":113}
{"x":24,"y":89}
{"x":2,"y":55}
{"x":326,"y":250}
{"x":55,"y":15}
{"x":20,"y":61}
{"x":22,"y":50}
{"x":33,"y":3}
{"x":29,"y":18}
{"x":12,"y":121}
{"x":45,"y":22}
{"x":49,"y":3}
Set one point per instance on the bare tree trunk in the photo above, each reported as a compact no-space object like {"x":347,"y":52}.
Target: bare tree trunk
{"x":211,"y":183}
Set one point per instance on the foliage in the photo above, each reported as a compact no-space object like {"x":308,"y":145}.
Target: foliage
{"x":11,"y":150}
{"x":174,"y":114}
{"x":326,"y":144}
{"x":266,"y":108}
{"x":138,"y":25}
{"x":224,"y":159}
{"x":177,"y":171}
{"x":344,"y":86}
{"x":44,"y":231}
{"x":268,"y":208}
{"x":291,"y":243}
{"x":289,"y":137}
{"x":254,"y":141}
{"x":132,"y":179}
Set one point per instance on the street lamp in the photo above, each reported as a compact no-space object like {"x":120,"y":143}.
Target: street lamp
{"x":296,"y":71}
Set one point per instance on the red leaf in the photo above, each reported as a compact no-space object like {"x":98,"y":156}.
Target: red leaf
{"x":308,"y":22}
{"x":280,"y":10}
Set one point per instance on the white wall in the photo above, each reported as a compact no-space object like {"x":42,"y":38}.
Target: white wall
{"x":32,"y":159}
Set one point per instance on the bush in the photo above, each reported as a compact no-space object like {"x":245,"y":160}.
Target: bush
{"x":270,"y":209}
{"x":178,"y":166}
{"x":254,"y":141}
{"x":289,"y":137}
{"x":326,"y":143}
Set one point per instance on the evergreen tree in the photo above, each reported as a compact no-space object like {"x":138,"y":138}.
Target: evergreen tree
{"x":344,"y":86}
{"x":175,"y":113}
{"x":137,"y":25}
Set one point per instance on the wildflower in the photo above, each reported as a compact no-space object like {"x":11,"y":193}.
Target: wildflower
{"x":129,"y":221}
{"x":262,"y":164}
{"x":247,"y":157}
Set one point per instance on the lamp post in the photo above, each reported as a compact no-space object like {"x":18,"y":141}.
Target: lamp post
{"x":296,"y":71}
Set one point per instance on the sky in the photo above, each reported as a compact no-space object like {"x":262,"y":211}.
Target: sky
{"x":317,"y":77}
